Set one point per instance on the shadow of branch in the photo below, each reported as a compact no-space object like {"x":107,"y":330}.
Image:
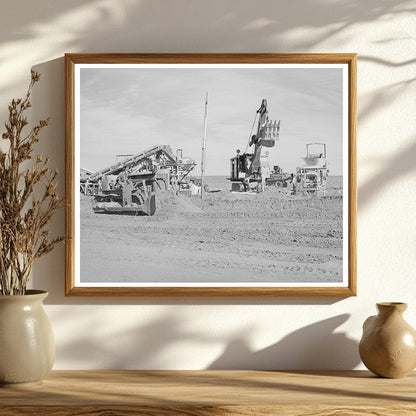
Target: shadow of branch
{"x":398,"y":166}
{"x":386,"y":62}
{"x":316,"y":346}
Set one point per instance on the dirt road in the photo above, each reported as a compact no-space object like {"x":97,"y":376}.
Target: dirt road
{"x":268,"y":237}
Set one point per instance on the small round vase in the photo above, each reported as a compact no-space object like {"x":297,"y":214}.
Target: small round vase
{"x":27,"y":347}
{"x":388,"y":345}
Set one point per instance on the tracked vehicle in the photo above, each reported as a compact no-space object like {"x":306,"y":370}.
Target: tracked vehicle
{"x":128,"y":186}
{"x":132,"y":196}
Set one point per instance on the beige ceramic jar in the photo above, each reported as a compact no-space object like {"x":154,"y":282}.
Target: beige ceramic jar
{"x":388,"y":344}
{"x":27,"y":347}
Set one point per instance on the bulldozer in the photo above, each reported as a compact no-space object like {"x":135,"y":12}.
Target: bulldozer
{"x":132,"y":194}
{"x":128,"y":186}
{"x":248,"y":170}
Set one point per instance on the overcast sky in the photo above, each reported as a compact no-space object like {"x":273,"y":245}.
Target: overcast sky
{"x":126,"y":111}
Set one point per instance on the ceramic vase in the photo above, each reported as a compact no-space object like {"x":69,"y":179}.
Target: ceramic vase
{"x":27,"y":347}
{"x":388,"y":345}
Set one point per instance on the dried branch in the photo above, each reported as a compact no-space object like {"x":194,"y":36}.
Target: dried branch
{"x":24,"y":217}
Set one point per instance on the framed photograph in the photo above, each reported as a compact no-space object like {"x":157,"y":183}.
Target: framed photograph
{"x":211,"y":174}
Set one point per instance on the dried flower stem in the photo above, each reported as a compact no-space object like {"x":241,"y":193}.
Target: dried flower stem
{"x":23,"y":217}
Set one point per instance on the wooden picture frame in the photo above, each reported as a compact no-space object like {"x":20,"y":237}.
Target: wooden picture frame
{"x":321,"y":85}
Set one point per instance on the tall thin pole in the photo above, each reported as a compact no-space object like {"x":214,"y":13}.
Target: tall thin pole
{"x":204,"y":138}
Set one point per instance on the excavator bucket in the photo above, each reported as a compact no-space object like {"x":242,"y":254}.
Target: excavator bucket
{"x":270,"y":133}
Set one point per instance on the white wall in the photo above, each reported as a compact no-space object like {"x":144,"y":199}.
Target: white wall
{"x":198,"y":333}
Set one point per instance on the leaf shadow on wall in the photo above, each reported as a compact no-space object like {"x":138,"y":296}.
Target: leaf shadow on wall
{"x":397,"y":166}
{"x":144,"y":346}
{"x":313,"y":347}
{"x":403,"y":162}
{"x":242,"y":27}
{"x":147,"y":346}
{"x":190,"y":26}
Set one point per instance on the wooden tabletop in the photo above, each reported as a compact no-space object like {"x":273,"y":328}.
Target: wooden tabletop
{"x":202,"y":393}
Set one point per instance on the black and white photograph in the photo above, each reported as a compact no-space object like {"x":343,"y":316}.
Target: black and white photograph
{"x":211,"y":175}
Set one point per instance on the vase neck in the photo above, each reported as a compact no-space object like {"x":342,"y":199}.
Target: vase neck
{"x":390,"y":308}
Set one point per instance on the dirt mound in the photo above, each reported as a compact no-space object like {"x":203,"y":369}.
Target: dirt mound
{"x":168,"y":203}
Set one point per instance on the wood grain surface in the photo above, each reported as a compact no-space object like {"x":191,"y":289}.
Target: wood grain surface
{"x":203,"y":393}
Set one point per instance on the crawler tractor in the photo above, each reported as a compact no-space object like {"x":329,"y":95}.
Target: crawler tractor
{"x":132,"y":195}
{"x":127,"y":187}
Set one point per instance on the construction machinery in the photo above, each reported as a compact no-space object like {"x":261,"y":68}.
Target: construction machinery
{"x":311,"y":177}
{"x":132,"y":195}
{"x":248,"y":170}
{"x":128,"y":186}
{"x":278,"y":178}
{"x":167,"y":166}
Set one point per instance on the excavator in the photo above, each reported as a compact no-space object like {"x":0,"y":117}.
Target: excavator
{"x":248,"y":173}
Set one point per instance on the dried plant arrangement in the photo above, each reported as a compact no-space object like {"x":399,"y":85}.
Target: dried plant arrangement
{"x":28,"y":198}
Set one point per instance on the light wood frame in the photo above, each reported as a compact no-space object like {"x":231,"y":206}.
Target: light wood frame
{"x":71,"y":60}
